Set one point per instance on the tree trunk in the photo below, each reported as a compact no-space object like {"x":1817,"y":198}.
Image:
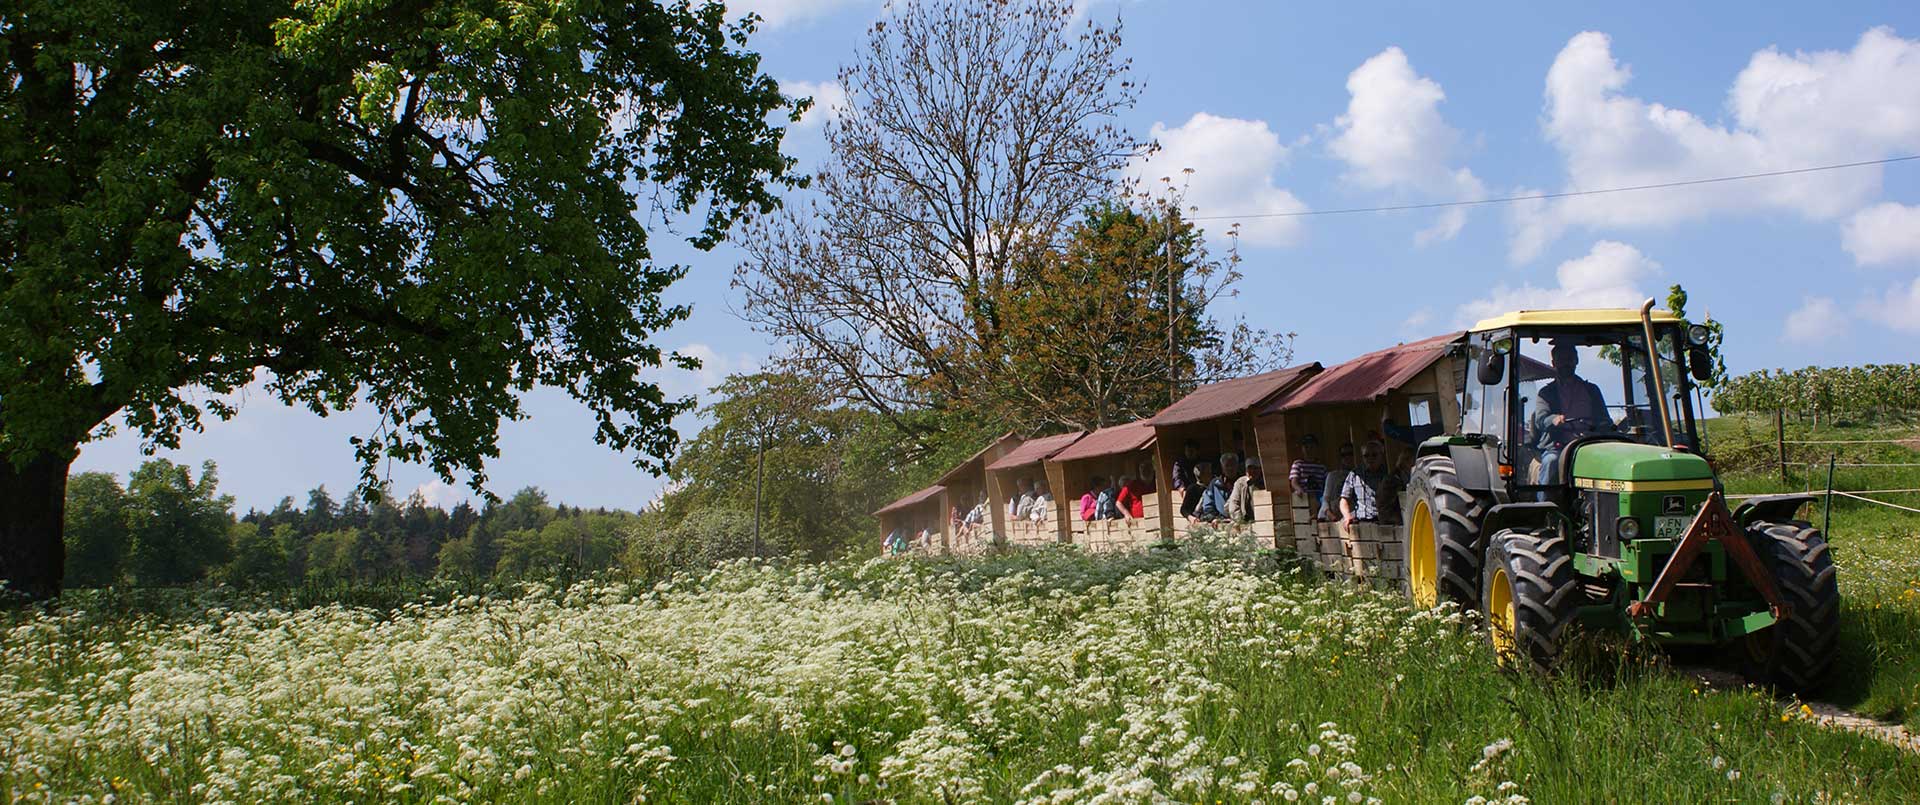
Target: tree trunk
{"x":33,"y":505}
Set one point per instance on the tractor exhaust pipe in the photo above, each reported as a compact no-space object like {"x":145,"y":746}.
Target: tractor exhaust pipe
{"x":1653,"y":365}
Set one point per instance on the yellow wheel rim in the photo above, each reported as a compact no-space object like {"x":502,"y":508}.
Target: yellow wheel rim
{"x":1423,"y":568}
{"x":1500,"y":613}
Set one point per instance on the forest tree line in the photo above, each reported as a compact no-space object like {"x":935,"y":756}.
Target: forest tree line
{"x":168,"y":525}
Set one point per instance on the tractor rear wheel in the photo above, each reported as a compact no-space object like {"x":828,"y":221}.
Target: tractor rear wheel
{"x":1531,"y":594}
{"x":1798,"y":651}
{"x":1443,"y":546}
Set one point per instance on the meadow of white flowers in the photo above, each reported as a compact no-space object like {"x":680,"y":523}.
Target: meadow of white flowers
{"x":1057,"y":680}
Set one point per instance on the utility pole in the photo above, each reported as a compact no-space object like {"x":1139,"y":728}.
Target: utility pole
{"x":1173,"y":365}
{"x":759,"y":476}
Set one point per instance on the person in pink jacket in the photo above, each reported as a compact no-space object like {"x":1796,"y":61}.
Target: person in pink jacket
{"x":1090,"y":501}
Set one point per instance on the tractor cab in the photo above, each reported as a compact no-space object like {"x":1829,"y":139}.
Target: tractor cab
{"x":1541,"y":385}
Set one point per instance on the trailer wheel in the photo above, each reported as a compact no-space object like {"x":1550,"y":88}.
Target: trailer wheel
{"x":1797,"y":652}
{"x":1531,"y":594}
{"x":1443,"y":546}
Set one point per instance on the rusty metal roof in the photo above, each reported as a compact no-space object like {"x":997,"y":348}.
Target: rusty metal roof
{"x":1367,"y":377}
{"x":1035,"y":451}
{"x":1110,"y":441}
{"x":914,"y":499}
{"x":1232,"y":396}
{"x":968,"y":465}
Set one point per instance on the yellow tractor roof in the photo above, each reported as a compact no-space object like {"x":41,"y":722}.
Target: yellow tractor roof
{"x":1570,"y":318}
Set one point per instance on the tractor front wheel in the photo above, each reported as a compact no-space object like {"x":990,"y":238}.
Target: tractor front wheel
{"x":1530,"y":595}
{"x":1798,"y":651}
{"x":1443,"y":536}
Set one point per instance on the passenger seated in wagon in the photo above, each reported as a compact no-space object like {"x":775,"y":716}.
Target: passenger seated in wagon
{"x":1372,"y":492}
{"x":1210,"y":500}
{"x":1240,"y":502}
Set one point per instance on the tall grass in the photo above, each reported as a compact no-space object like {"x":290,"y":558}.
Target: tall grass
{"x":1201,"y":674}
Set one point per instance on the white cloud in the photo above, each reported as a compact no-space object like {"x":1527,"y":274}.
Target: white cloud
{"x":829,"y":98}
{"x":1233,"y":163}
{"x":1899,"y":310}
{"x":1788,"y":111}
{"x":1608,"y":276}
{"x":1883,"y":234}
{"x":714,"y":368}
{"x":1817,"y":319}
{"x":778,"y":13}
{"x":1417,"y":321}
{"x":441,"y":494}
{"x":1393,"y":138}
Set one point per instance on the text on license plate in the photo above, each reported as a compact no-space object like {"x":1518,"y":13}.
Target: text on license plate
{"x":1669,"y":527}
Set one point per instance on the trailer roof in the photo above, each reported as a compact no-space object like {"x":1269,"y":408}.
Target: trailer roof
{"x":914,"y":499}
{"x":1034,"y":451}
{"x":1110,"y":441}
{"x":1232,"y":396}
{"x":1367,"y":377}
{"x":958,"y":469}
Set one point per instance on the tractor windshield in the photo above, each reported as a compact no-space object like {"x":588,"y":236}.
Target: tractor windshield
{"x":1573,"y":382}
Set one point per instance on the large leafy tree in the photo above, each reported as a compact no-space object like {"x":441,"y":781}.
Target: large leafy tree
{"x":426,"y":207}
{"x":1114,"y":324}
{"x":179,"y":524}
{"x":96,"y":536}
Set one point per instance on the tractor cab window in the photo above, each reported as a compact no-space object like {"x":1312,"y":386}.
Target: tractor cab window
{"x":1573,"y":383}
{"x":1483,"y":408}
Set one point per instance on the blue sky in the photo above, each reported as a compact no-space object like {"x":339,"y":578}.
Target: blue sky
{"x":1281,"y":108}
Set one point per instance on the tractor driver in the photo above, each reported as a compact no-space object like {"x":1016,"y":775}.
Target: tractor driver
{"x":1566,"y":408}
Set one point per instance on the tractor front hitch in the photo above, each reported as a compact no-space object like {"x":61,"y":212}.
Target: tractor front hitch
{"x":1713,"y":522}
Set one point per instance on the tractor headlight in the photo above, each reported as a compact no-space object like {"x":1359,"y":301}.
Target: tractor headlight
{"x":1628,"y":528}
{"x":1697,"y":334}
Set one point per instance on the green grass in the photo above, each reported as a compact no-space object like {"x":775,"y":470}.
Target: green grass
{"x":1876,"y":548}
{"x":1203,"y":674}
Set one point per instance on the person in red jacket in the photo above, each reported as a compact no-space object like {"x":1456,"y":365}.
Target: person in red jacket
{"x":1132,"y":491}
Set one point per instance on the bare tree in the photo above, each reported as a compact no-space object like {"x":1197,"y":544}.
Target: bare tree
{"x":974,"y":132}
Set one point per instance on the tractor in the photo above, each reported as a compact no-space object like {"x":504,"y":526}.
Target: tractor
{"x":1574,"y":494}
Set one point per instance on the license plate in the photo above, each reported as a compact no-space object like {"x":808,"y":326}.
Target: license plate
{"x":1670,"y":527}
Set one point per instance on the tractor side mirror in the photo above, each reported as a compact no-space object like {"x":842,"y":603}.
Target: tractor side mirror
{"x":1700,"y":363}
{"x":1493,"y":367}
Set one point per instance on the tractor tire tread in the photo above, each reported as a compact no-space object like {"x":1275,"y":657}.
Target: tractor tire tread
{"x":1457,"y":514}
{"x":1803,"y":645}
{"x":1545,"y":593}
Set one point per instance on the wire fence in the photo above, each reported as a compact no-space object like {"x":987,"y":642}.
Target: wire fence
{"x":1783,"y":463}
{"x":1857,"y":496}
{"x":1915,"y":442}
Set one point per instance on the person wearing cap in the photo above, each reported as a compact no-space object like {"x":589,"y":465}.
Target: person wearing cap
{"x":1240,"y":503}
{"x":1568,"y":407}
{"x":1307,"y":475}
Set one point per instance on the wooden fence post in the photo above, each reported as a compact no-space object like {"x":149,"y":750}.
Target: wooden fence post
{"x":1780,"y":438}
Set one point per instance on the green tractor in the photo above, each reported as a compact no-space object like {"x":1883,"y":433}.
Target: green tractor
{"x":1573,"y":492}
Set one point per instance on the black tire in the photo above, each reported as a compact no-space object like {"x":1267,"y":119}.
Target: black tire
{"x":1543,"y":594}
{"x":1798,"y":652}
{"x":1450,"y":521}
